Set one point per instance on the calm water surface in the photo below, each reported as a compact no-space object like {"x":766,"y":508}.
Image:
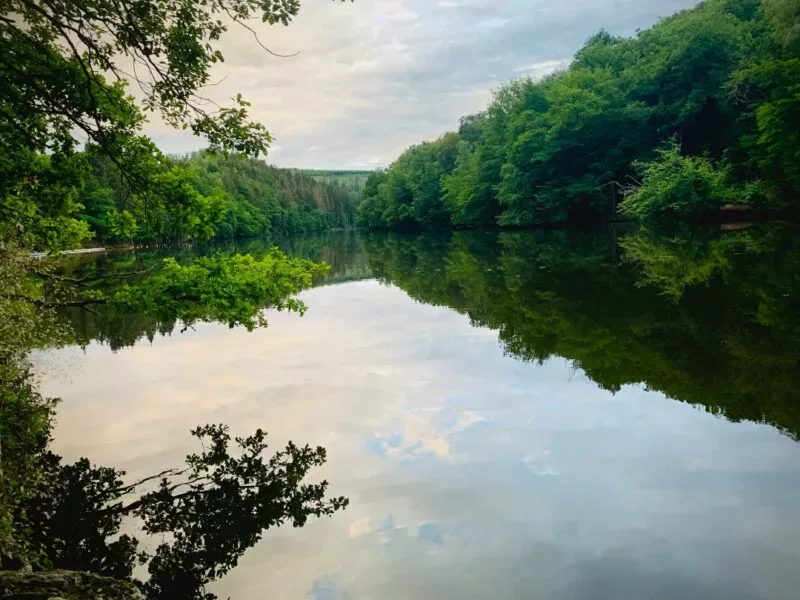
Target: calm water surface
{"x":519,"y":415}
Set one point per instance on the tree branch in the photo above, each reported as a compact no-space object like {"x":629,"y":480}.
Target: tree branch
{"x":57,"y":304}
{"x":130,"y":487}
{"x":91,"y":278}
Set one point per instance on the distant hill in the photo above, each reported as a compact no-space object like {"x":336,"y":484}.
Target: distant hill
{"x":273,"y":200}
{"x":232,"y":196}
{"x":354,"y":181}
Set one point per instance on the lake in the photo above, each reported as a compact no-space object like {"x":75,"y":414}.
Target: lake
{"x":549,"y":414}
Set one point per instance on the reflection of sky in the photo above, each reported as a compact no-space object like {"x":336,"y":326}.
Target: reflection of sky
{"x":470,"y":474}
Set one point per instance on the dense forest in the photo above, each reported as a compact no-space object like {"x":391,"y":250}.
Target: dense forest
{"x":227,"y":196}
{"x":700,"y":111}
{"x":697,"y":112}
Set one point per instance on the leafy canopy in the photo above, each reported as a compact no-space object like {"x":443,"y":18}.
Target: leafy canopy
{"x":720,"y":79}
{"x":66,"y":68}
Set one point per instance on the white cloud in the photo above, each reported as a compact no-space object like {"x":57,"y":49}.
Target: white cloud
{"x":543,"y":68}
{"x":373,"y":77}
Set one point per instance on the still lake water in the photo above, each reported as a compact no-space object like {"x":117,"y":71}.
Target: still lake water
{"x":563,"y":415}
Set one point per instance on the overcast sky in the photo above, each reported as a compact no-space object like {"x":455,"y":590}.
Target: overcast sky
{"x":375,"y":76}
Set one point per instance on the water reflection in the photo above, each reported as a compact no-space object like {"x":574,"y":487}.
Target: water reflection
{"x":473,"y":473}
{"x":340,"y":250}
{"x":705,"y":318}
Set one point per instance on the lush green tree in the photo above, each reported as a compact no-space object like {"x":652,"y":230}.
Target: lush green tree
{"x":674,"y":185}
{"x":469,"y":191}
{"x":64,"y":66}
{"x":783,"y":17}
{"x":765,"y":89}
{"x":370,"y":210}
{"x":567,"y":148}
{"x":718,"y":79}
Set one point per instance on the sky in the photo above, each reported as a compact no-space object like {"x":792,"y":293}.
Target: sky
{"x":373,"y":77}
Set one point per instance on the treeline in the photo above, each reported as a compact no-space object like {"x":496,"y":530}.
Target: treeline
{"x":699,"y":111}
{"x":215,"y":196}
{"x":354,"y":180}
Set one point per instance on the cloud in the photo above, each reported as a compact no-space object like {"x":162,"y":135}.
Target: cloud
{"x":373,"y":77}
{"x":542,"y":68}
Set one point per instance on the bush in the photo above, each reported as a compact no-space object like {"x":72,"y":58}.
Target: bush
{"x":676,"y":187}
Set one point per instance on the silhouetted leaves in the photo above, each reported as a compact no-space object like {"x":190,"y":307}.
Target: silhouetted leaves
{"x":209,"y":513}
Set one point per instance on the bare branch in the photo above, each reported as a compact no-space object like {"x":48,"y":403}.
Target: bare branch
{"x":132,"y":486}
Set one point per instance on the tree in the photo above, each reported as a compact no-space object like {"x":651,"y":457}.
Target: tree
{"x":66,"y":67}
{"x":677,"y":186}
{"x":719,"y":78}
{"x":212,"y":511}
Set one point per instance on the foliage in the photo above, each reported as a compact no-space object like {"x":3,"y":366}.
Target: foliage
{"x":233,"y":289}
{"x":210,"y":195}
{"x":677,"y":262}
{"x":25,"y":421}
{"x":267,"y":200}
{"x":677,"y":186}
{"x":410,"y":193}
{"x":66,"y":69}
{"x":719,"y":79}
{"x":57,"y":51}
{"x":210,"y":512}
{"x":102,"y":274}
{"x":230,"y":290}
{"x":73,"y":163}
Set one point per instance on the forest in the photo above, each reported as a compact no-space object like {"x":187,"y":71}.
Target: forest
{"x":700,"y":111}
{"x":228,"y":196}
{"x":695,"y":113}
